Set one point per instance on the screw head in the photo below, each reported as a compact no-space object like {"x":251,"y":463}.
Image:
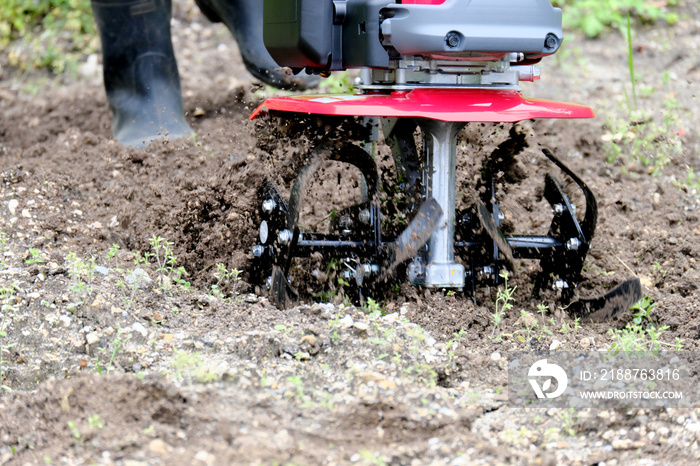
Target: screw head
{"x":268,"y":206}
{"x":285,"y":237}
{"x":364,"y":216}
{"x":573,"y":244}
{"x":452,"y":39}
{"x":258,"y":250}
{"x":551,"y":42}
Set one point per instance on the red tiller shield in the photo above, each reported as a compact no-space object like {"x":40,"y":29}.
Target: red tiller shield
{"x":468,"y":105}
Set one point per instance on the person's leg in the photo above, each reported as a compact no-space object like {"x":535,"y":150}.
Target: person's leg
{"x":244,"y":18}
{"x":140,"y":71}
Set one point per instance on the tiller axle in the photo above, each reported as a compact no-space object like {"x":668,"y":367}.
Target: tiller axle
{"x":434,"y":66}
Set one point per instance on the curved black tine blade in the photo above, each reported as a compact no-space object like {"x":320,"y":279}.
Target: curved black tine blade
{"x":283,"y":293}
{"x":591,"y":217}
{"x":621,"y":298}
{"x":495,"y":233}
{"x":414,"y":237}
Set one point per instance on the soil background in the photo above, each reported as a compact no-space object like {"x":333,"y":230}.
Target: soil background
{"x":105,"y":360}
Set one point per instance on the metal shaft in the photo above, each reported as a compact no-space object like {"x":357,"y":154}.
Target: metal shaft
{"x":440,"y":148}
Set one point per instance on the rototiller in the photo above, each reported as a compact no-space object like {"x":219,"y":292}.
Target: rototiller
{"x":432,"y":66}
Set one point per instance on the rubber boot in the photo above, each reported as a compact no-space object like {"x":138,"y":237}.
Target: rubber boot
{"x":244,"y":18}
{"x":140,"y":72}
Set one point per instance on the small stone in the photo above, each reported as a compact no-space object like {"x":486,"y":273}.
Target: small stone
{"x":585,"y":342}
{"x":139,"y":278}
{"x":158,"y":447}
{"x":251,"y":299}
{"x":554,"y":345}
{"x":387,"y":384}
{"x":346,"y":321}
{"x":391,"y":318}
{"x":495,"y":356}
{"x":371,"y":376}
{"x":65,"y":320}
{"x":138,"y":327}
{"x":621,"y":444}
{"x":101,"y":269}
{"x":204,"y":457}
{"x":693,"y":427}
{"x":360,"y":328}
{"x":92,"y":338}
{"x":12,"y":206}
{"x":310,"y":339}
{"x":302,"y":356}
{"x":25,"y":213}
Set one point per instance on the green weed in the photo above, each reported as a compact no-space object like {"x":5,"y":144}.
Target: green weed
{"x":594,"y":17}
{"x":192,"y":366}
{"x":49,"y":34}
{"x":504,"y":302}
{"x":642,"y":334}
{"x":225,"y":280}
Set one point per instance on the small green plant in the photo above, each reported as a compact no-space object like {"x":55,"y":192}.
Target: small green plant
{"x":690,"y":183}
{"x":504,"y":302}
{"x":594,"y":17}
{"x":116,"y":347}
{"x":50,"y":34}
{"x":112,"y":255}
{"x":372,"y":308}
{"x":225,"y":279}
{"x":642,"y":334}
{"x":568,"y":421}
{"x":80,"y":272}
{"x":35,"y":257}
{"x":192,"y":366}
{"x":73,"y":427}
{"x":95,"y":421}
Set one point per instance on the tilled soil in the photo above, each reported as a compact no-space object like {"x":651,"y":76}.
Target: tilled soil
{"x":108,"y":358}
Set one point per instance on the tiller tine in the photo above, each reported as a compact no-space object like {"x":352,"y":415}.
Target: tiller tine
{"x":283,"y":293}
{"x":608,"y":306}
{"x":495,"y":233}
{"x":412,"y":239}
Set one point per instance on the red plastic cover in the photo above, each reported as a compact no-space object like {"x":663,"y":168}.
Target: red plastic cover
{"x":469,"y":105}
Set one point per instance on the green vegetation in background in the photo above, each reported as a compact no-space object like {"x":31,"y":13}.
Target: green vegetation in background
{"x":593,"y":17}
{"x":54,"y":35}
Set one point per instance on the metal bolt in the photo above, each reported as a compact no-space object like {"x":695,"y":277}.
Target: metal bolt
{"x":558,"y":209}
{"x":486,"y":271}
{"x":560,"y":284}
{"x":268,"y":206}
{"x":452,"y":39}
{"x":285,"y":237}
{"x":551,"y":42}
{"x":501,"y":216}
{"x":364,"y":216}
{"x":258,"y":250}
{"x":573,"y":244}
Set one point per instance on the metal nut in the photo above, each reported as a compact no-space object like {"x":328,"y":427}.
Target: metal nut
{"x":573,"y":244}
{"x":258,"y":250}
{"x":268,"y":206}
{"x":364,"y":216}
{"x":285,"y":237}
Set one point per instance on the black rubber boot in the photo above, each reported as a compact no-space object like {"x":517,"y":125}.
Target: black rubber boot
{"x":244,"y":18}
{"x":140,"y":72}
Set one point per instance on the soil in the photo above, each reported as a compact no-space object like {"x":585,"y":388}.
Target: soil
{"x":108,"y":358}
